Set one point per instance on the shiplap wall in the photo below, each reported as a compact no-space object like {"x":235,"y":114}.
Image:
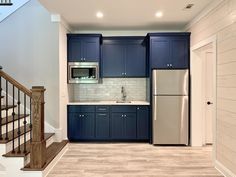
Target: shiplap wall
{"x":222,"y":22}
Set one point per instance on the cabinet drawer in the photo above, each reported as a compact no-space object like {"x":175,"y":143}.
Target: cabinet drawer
{"x":123,"y":108}
{"x":142,"y":108}
{"x":102,"y":108}
{"x":81,"y":108}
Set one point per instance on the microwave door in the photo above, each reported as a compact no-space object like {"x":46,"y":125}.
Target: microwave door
{"x":80,"y":73}
{"x":83,"y":73}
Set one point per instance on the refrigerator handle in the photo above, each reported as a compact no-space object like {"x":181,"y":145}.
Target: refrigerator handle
{"x":154,"y":107}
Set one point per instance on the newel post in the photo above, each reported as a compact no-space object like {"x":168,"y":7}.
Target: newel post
{"x":38,"y":144}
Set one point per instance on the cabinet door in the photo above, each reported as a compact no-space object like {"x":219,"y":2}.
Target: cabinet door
{"x":74,"y":49}
{"x":179,"y":52}
{"x":113,"y":58}
{"x":91,"y":49}
{"x":74,"y":126}
{"x":135,"y":61}
{"x":88,"y":125}
{"x":102,"y":126}
{"x":130,"y":126}
{"x":143,"y":122}
{"x":117,"y":126}
{"x":160,"y":52}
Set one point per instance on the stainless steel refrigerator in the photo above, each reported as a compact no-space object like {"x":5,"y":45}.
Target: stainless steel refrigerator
{"x":170,"y":107}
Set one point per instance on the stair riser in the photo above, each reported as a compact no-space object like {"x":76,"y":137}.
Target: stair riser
{"x":10,"y":125}
{"x":8,"y":146}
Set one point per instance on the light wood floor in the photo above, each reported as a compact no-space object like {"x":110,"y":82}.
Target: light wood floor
{"x":134,"y":160}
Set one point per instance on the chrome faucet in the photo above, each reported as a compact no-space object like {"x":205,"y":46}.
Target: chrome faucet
{"x":123,"y":93}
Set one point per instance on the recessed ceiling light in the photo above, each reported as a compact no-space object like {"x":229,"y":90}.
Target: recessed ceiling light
{"x":159,"y":14}
{"x":99,"y":14}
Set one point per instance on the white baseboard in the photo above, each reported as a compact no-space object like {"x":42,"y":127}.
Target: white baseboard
{"x":223,"y":170}
{"x":48,"y":128}
{"x":58,"y":132}
{"x":58,"y":135}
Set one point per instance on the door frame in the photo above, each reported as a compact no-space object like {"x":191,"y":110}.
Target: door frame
{"x":196,"y":125}
{"x":205,"y":107}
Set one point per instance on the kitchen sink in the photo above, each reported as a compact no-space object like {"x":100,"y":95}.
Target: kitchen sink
{"x":123,"y":101}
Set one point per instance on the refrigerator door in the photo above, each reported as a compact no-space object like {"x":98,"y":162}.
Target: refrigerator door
{"x":170,"y":120}
{"x":170,"y":82}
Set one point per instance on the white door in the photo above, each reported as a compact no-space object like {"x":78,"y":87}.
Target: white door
{"x":208,"y":97}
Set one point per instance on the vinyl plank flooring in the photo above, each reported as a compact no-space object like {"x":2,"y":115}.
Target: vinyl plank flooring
{"x":134,"y":160}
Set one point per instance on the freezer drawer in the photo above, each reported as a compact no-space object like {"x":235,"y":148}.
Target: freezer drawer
{"x":170,"y":82}
{"x":170,"y":120}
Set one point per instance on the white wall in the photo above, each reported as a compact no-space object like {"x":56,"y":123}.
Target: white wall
{"x":64,"y":87}
{"x":221,"y":22}
{"x":29,"y":53}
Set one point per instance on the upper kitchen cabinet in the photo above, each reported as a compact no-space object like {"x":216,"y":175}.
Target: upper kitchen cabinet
{"x":83,"y":47}
{"x":123,"y":57}
{"x":169,"y":50}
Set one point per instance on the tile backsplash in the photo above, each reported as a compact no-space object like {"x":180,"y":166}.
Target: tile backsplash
{"x":110,"y":90}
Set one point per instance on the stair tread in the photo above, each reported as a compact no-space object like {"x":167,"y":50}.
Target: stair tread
{"x":10,"y":118}
{"x":10,"y":134}
{"x":4,"y":107}
{"x":51,"y":152}
{"x":23,"y":154}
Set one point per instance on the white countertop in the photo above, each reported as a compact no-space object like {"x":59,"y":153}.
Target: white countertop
{"x":108,"y":103}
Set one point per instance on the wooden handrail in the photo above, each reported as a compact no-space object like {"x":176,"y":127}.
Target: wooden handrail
{"x":15,"y":83}
{"x":37,"y":140}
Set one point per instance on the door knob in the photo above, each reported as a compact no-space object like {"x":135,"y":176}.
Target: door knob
{"x":209,"y":103}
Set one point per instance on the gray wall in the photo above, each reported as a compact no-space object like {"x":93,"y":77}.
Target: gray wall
{"x":29,"y":51}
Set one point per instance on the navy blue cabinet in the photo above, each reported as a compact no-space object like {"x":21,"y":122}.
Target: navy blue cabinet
{"x":123,"y":57}
{"x":81,"y":126}
{"x":81,"y":123}
{"x":169,"y":50}
{"x":130,"y":126}
{"x":74,"y":126}
{"x":102,"y":123}
{"x":123,"y":122}
{"x":135,"y":62}
{"x":108,"y":123}
{"x":113,"y":60}
{"x":117,"y":126}
{"x":143,"y":122}
{"x":83,"y":47}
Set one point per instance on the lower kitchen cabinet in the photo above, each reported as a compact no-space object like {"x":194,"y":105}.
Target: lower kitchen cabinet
{"x":123,"y":126}
{"x":74,"y":126}
{"x":108,"y":123}
{"x":130,"y":124}
{"x":102,"y":126}
{"x":117,"y":126}
{"x":143,"y":123}
{"x":81,"y":126}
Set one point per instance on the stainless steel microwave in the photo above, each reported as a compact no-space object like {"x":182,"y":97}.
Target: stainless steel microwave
{"x":83,"y":72}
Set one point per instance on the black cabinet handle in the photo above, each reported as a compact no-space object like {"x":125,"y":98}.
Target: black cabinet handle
{"x":209,"y":103}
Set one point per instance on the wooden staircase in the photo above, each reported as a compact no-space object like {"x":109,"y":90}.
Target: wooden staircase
{"x":22,"y":130}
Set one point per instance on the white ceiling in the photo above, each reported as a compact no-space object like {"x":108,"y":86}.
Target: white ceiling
{"x":126,"y":14}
